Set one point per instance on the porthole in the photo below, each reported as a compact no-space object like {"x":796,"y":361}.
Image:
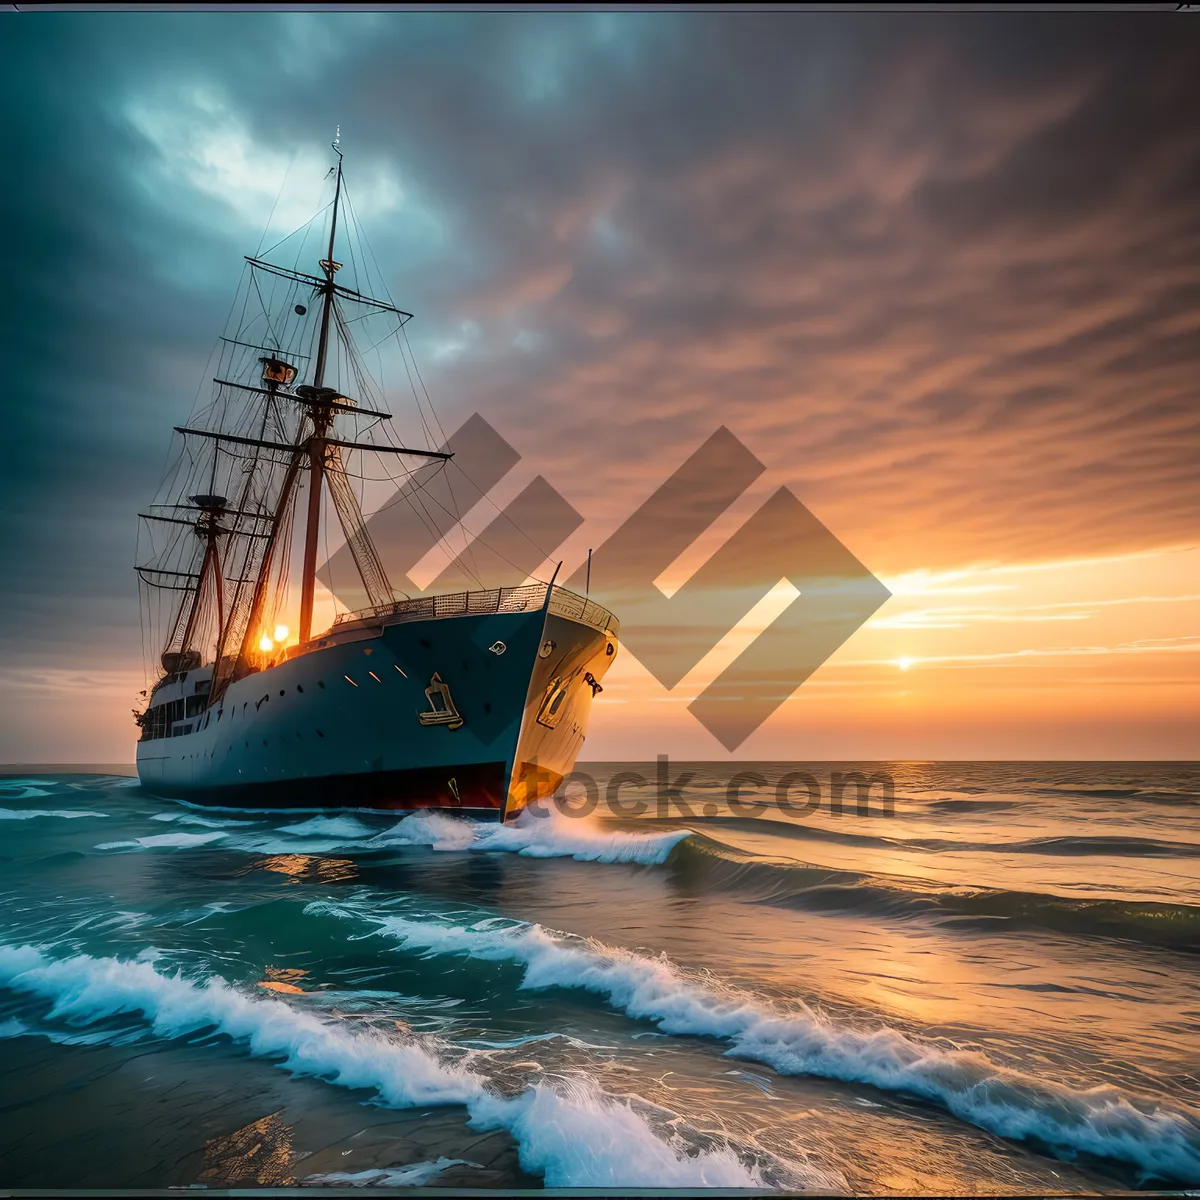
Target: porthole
{"x":299,"y":688}
{"x":281,"y":691}
{"x":321,"y":684}
{"x":610,"y":649}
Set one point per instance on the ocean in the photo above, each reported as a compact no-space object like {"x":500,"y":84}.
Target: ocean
{"x":960,"y":978}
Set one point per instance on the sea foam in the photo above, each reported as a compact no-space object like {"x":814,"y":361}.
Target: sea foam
{"x":573,"y":1135}
{"x":338,"y":827}
{"x":29,"y":814}
{"x":556,"y":836}
{"x":412,"y":1175}
{"x":548,"y":836}
{"x":22,"y":789}
{"x":177,"y":840}
{"x":207,"y":822}
{"x":1160,"y":1139}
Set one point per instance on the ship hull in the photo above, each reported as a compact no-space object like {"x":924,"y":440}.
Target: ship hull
{"x":354,"y":720}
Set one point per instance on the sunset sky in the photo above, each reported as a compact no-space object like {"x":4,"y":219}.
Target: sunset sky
{"x":939,"y":272}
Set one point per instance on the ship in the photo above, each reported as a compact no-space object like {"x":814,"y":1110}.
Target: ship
{"x":474,"y":701}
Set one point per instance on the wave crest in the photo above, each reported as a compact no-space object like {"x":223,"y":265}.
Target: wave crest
{"x":573,"y":1136}
{"x":1163,"y":1141}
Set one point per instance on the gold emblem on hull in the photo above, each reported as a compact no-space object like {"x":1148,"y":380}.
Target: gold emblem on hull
{"x":442,"y":710}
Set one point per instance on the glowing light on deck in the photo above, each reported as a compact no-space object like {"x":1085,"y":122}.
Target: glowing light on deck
{"x":281,"y":632}
{"x":266,"y":644}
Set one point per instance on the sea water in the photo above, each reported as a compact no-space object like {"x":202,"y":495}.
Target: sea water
{"x":987,"y":983}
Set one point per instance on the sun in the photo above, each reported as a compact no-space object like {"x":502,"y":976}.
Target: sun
{"x":905,"y":663}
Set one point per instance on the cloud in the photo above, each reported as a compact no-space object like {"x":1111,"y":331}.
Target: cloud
{"x":939,"y":273}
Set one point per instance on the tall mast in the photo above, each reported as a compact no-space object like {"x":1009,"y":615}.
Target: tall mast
{"x":329,"y":267}
{"x":239,"y":619}
{"x":322,"y":418}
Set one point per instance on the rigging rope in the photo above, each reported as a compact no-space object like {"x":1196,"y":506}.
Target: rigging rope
{"x":362,"y":549}
{"x":254,"y":480}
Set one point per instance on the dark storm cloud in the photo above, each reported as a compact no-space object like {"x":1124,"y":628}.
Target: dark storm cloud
{"x":940,"y":273}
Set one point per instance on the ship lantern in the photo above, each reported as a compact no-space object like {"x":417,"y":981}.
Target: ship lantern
{"x":275,"y":370}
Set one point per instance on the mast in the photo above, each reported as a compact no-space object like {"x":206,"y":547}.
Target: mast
{"x":265,"y":520}
{"x":207,"y":527}
{"x":322,"y":418}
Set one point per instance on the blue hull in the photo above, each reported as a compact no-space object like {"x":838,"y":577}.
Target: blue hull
{"x":351,"y":723}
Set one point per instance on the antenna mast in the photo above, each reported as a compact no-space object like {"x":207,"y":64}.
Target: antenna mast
{"x":322,"y":418}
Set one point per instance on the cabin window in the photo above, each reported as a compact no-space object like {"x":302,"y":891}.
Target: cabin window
{"x":156,"y":721}
{"x":161,"y":720}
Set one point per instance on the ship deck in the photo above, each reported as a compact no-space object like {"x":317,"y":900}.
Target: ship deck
{"x":524,"y":598}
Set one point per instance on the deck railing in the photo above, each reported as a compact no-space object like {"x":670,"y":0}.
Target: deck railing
{"x":527,"y":598}
{"x":571,"y":604}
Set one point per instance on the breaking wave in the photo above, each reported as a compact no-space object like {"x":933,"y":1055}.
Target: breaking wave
{"x":550,"y":836}
{"x":1161,"y":1140}
{"x":712,"y":865}
{"x":573,"y":1135}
